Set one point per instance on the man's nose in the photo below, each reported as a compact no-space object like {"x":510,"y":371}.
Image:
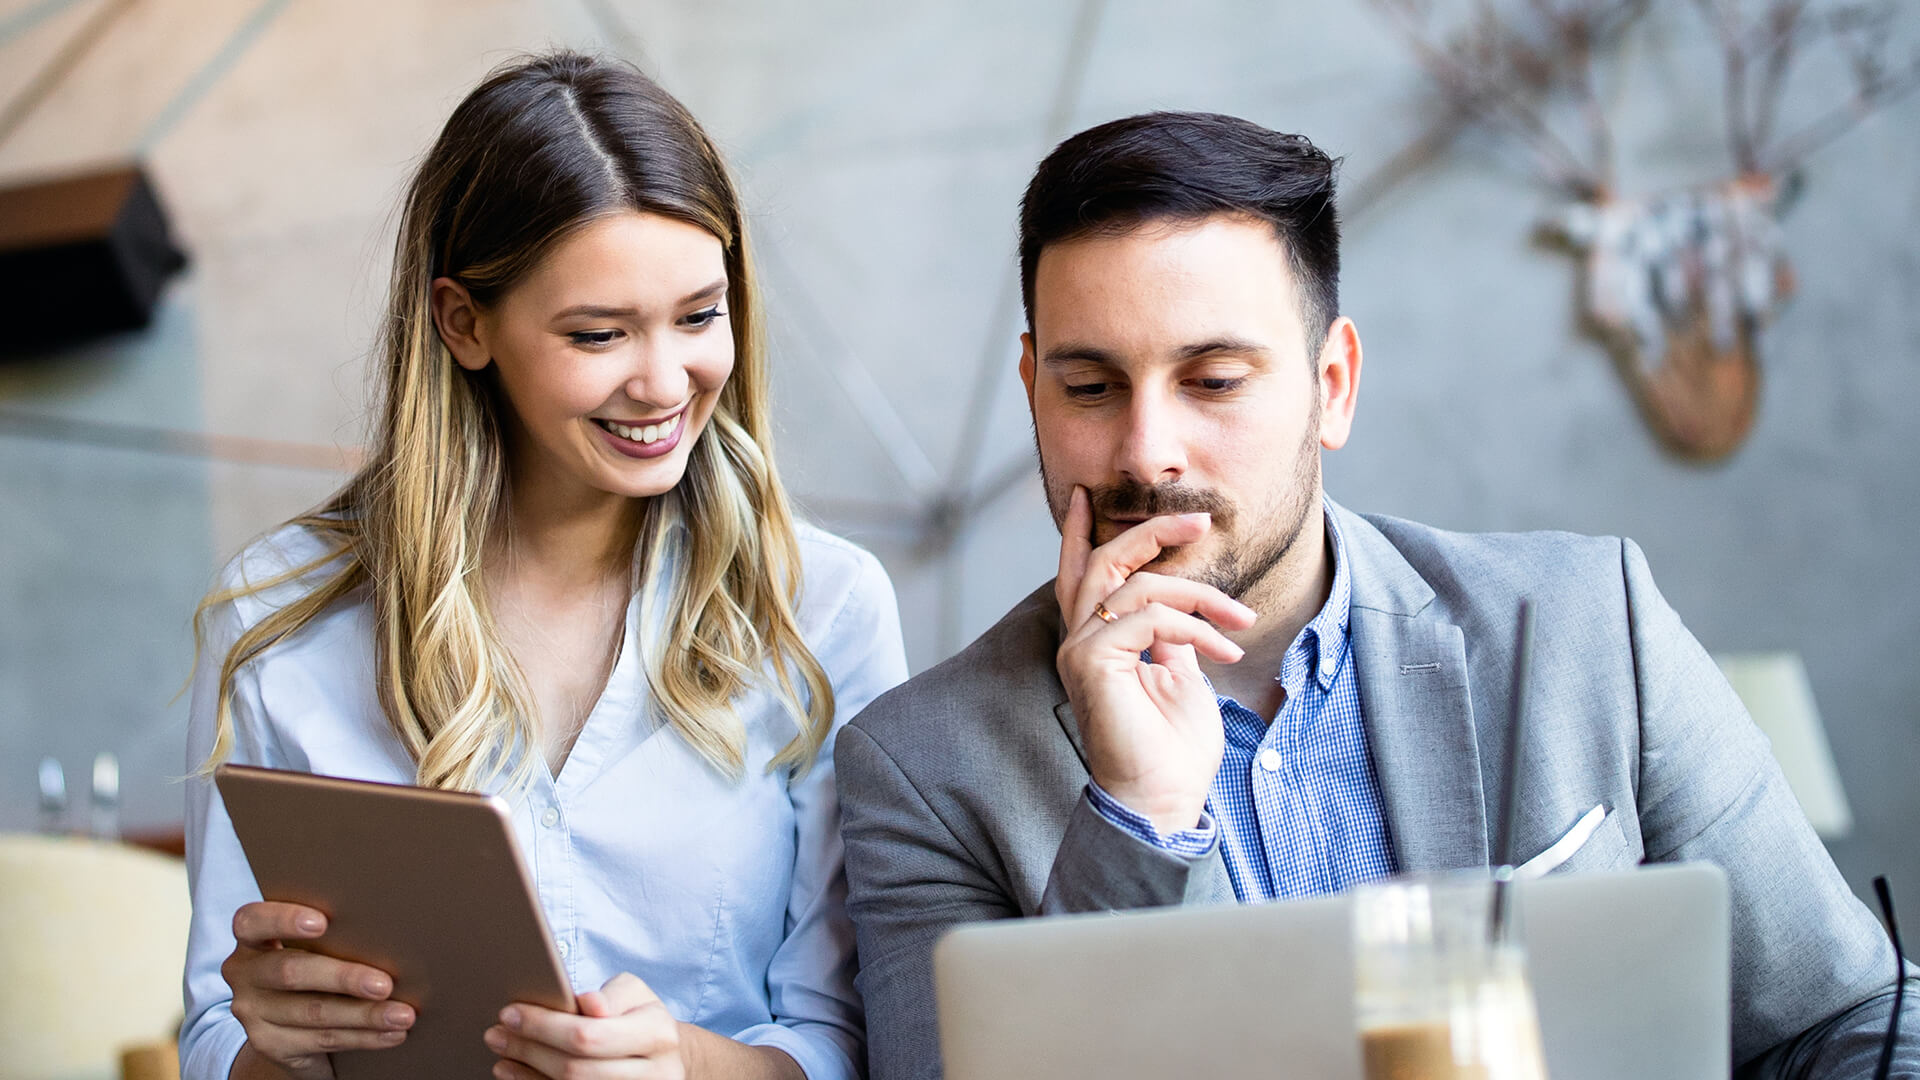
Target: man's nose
{"x":1152,"y":450}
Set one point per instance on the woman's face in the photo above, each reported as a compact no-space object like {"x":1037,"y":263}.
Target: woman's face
{"x":612,"y":353}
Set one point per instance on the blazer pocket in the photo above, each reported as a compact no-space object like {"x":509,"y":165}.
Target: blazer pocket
{"x":1607,"y":849}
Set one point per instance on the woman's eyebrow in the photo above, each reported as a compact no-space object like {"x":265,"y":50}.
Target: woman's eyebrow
{"x":606,"y":311}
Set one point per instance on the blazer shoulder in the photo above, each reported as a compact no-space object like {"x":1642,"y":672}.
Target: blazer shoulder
{"x":1471,"y":572}
{"x":1008,"y":667}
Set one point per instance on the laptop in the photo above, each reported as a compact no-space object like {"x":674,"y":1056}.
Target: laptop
{"x":1630,"y":973}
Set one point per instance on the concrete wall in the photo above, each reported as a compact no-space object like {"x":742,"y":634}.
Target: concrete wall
{"x":883,"y":147}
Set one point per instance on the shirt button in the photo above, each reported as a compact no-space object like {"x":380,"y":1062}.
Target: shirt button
{"x":563,"y":948}
{"x":550,"y":818}
{"x":1270,"y":759}
{"x":1327,"y":666}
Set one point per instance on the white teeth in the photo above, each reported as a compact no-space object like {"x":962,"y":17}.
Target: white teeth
{"x":652,"y":433}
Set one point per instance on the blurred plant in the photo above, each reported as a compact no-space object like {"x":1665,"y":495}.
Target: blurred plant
{"x":1675,"y":284}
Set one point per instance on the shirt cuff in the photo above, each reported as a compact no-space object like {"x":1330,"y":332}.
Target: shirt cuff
{"x":207,"y":1052}
{"x":1191,"y":843}
{"x":819,"y":1058}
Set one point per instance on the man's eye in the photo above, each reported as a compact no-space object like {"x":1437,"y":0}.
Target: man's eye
{"x":706,"y":317}
{"x":594,"y":338}
{"x":1086,"y":390}
{"x":1219,"y":386}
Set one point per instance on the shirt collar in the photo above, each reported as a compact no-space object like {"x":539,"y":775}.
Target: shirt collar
{"x":1322,"y":645}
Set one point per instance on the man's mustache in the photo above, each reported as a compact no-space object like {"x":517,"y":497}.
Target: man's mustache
{"x":1133,"y":500}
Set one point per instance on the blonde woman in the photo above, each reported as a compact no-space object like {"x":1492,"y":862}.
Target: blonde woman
{"x":568,"y":574}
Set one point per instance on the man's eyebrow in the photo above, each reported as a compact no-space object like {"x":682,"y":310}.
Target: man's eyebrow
{"x":601,"y":311}
{"x":1074,"y":353}
{"x":1232,"y":346}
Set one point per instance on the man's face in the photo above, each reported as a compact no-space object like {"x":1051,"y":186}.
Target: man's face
{"x":1168,"y":371}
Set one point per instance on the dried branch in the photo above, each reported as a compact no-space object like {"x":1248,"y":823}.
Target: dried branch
{"x":1498,"y":67}
{"x":1784,"y":29}
{"x":1862,"y":32}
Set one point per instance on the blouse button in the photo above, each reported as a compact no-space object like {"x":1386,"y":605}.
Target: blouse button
{"x":550,"y":818}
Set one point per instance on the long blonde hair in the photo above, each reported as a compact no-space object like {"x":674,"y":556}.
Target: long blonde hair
{"x":540,"y":148}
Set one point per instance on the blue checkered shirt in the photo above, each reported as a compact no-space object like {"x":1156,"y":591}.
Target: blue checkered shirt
{"x":1296,"y":804}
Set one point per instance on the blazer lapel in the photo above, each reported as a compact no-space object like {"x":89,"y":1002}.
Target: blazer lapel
{"x":1412,"y":670}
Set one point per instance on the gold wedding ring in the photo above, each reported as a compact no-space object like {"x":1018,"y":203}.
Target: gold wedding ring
{"x":1100,"y":610}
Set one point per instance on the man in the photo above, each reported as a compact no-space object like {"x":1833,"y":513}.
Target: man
{"x":1238,"y":690}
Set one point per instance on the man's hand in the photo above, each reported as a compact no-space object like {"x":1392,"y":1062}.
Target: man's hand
{"x":1152,"y":730}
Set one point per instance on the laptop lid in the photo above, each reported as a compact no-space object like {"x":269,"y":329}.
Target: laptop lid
{"x":1630,"y":973}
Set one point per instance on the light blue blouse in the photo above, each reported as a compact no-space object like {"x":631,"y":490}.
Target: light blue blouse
{"x":726,"y":896}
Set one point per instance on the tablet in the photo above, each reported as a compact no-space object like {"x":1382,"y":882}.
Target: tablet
{"x":425,"y":885}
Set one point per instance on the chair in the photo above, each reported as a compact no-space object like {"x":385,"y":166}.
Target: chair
{"x":92,"y":956}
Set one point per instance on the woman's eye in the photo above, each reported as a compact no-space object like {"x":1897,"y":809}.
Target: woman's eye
{"x":594,"y":338}
{"x":706,"y":317}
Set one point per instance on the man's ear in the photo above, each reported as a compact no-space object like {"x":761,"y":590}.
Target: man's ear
{"x":457,"y":318}
{"x":1339,"y":382}
{"x":1027,"y":367}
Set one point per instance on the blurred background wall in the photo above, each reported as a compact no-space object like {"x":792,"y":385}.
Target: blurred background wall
{"x":883,"y":147}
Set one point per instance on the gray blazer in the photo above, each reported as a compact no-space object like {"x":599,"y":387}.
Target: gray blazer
{"x":963,"y":790}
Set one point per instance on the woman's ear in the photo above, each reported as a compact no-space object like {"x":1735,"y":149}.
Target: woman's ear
{"x":457,"y":318}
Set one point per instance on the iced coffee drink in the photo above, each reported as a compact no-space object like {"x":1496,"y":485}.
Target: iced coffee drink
{"x":1436,"y":997}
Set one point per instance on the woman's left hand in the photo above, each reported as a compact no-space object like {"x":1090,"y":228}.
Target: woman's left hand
{"x":622,"y":1030}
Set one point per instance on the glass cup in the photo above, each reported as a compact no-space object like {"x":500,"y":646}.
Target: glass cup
{"x":1436,"y":997}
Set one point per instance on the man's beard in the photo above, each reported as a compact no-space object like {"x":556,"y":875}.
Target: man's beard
{"x":1243,"y":562}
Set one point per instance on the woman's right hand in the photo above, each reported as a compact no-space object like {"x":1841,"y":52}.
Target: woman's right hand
{"x":298,"y":1006}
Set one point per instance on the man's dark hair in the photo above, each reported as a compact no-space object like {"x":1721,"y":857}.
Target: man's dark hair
{"x":1182,"y":166}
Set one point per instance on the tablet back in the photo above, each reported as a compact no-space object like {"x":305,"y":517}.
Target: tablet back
{"x":425,"y":885}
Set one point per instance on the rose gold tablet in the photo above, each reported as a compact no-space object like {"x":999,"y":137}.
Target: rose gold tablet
{"x":426,"y":885}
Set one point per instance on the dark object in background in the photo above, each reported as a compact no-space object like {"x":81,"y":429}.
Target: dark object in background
{"x":81,"y":256}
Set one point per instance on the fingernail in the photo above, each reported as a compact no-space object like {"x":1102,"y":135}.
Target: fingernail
{"x":501,"y":1072}
{"x":310,"y":923}
{"x":509,"y":1016}
{"x":392,"y":1036}
{"x":496,"y":1041}
{"x":398,"y":1016}
{"x":375,"y":986}
{"x":1202,"y":517}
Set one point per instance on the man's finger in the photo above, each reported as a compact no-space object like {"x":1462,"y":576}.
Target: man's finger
{"x":1155,"y":625}
{"x":266,"y":921}
{"x":1192,"y":597}
{"x":1178,"y":658}
{"x":1076,"y":545}
{"x":1112,"y":563}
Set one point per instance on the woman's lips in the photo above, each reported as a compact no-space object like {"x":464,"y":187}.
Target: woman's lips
{"x":644,"y":440}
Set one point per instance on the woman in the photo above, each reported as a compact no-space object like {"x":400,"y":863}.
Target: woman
{"x":568,"y":574}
